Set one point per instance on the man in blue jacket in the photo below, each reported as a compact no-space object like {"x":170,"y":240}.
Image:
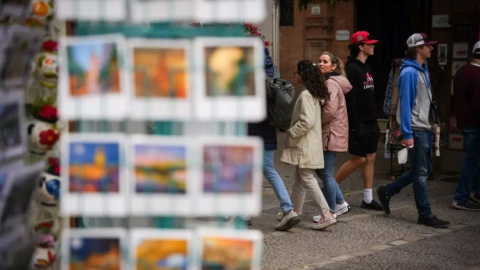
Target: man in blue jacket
{"x":416,"y":115}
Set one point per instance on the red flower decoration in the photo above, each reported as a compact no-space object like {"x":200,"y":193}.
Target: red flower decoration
{"x":50,"y":46}
{"x":48,"y":113}
{"x":53,"y":165}
{"x":266,"y":43}
{"x":48,"y":137}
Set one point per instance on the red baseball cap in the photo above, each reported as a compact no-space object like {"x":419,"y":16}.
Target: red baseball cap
{"x":362,"y":37}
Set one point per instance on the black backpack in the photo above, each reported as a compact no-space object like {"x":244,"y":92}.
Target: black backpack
{"x":280,"y":101}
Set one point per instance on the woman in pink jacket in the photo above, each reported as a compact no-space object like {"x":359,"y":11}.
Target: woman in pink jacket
{"x":334,"y":129}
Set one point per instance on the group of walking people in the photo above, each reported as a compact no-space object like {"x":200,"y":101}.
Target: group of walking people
{"x":336,"y":112}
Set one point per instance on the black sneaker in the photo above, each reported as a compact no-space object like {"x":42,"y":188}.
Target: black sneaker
{"x":433,"y":221}
{"x":466,"y":206}
{"x":384,"y":199}
{"x":475,"y":198}
{"x":371,"y":206}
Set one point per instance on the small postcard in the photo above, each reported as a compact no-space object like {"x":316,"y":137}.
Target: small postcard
{"x":93,"y":84}
{"x":17,"y":195}
{"x":231,"y":176}
{"x":161,"y":178}
{"x":13,"y":137}
{"x":93,"y":249}
{"x":15,"y":8}
{"x":160,"y":249}
{"x":91,"y":10}
{"x":254,"y":11}
{"x":160,"y":79}
{"x":21,"y":45}
{"x":229,"y":249}
{"x":161,"y":10}
{"x":94,"y":174}
{"x":230,"y":79}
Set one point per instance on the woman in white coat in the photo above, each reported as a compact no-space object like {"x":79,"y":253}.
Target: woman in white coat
{"x":304,"y":147}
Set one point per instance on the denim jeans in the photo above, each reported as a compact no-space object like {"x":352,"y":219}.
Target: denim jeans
{"x":421,"y":159}
{"x":332,"y":192}
{"x":469,"y":180}
{"x":276,"y":181}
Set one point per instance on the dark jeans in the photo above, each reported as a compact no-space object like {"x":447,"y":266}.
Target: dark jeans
{"x":421,"y":159}
{"x":469,"y":180}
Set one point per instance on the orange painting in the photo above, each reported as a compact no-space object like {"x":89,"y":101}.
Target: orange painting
{"x":162,"y":254}
{"x":226,"y":253}
{"x":160,"y":73}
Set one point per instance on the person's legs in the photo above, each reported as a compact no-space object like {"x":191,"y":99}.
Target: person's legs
{"x":298,"y":191}
{"x":348,"y":167}
{"x":368,"y":169}
{"x":276,"y":181}
{"x":330,"y":186}
{"x":469,"y":177}
{"x":310,"y":183}
{"x":421,"y":161}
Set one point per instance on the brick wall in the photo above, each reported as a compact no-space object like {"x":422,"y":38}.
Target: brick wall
{"x":293,"y":41}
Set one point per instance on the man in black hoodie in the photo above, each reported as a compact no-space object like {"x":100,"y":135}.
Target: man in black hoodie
{"x":362,"y":117}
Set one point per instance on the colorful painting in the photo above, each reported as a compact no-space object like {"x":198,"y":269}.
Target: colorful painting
{"x":228,"y":169}
{"x":226,"y":253}
{"x":93,"y":68}
{"x":94,"y":253}
{"x":94,"y":167}
{"x":10,"y":126}
{"x":160,"y":72}
{"x":230,"y":71}
{"x":160,"y":169}
{"x":162,"y":254}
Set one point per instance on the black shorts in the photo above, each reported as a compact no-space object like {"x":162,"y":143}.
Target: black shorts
{"x":363,"y":138}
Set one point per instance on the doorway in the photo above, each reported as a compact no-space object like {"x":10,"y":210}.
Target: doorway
{"x":391,"y":22}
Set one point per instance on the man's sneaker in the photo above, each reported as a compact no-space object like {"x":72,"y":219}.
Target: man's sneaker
{"x":326,"y":220}
{"x":339,"y":210}
{"x":433,"y":221}
{"x":280,"y":214}
{"x":384,"y":199}
{"x":466,"y":206}
{"x":289,"y":220}
{"x":371,"y":206}
{"x":475,"y":197}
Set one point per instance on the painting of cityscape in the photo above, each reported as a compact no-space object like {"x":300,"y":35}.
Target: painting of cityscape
{"x":171,"y":254}
{"x":94,"y":253}
{"x":93,"y":68}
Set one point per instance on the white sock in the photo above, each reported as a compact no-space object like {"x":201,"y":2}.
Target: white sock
{"x":368,"y":195}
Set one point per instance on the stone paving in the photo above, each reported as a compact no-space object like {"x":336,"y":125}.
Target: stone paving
{"x":364,"y":239}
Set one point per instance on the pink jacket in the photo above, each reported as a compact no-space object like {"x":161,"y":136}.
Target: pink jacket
{"x":334,"y":115}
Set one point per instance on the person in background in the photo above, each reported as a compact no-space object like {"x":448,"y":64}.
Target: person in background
{"x":364,"y":131}
{"x":269,"y":135}
{"x":415,"y":114}
{"x":303,"y":146}
{"x":334,"y":129}
{"x":466,"y":93}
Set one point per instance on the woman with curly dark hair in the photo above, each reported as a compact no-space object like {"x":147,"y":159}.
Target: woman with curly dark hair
{"x":304,"y":147}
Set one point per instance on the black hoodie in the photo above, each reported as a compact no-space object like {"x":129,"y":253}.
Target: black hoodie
{"x":361,"y":105}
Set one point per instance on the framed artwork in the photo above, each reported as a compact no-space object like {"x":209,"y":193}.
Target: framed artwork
{"x":93,"y":84}
{"x":442,"y":54}
{"x":160,"y":175}
{"x":460,"y":50}
{"x":94,"y":176}
{"x":229,"y":79}
{"x":160,"y":79}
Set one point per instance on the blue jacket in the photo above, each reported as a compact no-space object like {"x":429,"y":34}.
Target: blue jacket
{"x":415,"y":97}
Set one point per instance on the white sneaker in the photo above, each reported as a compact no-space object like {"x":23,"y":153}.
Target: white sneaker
{"x":327,"y":220}
{"x":288,"y":221}
{"x":339,"y":210}
{"x":280,"y":215}
{"x":342,"y":208}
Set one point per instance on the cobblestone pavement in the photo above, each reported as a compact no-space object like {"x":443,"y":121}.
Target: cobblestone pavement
{"x":364,"y":239}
